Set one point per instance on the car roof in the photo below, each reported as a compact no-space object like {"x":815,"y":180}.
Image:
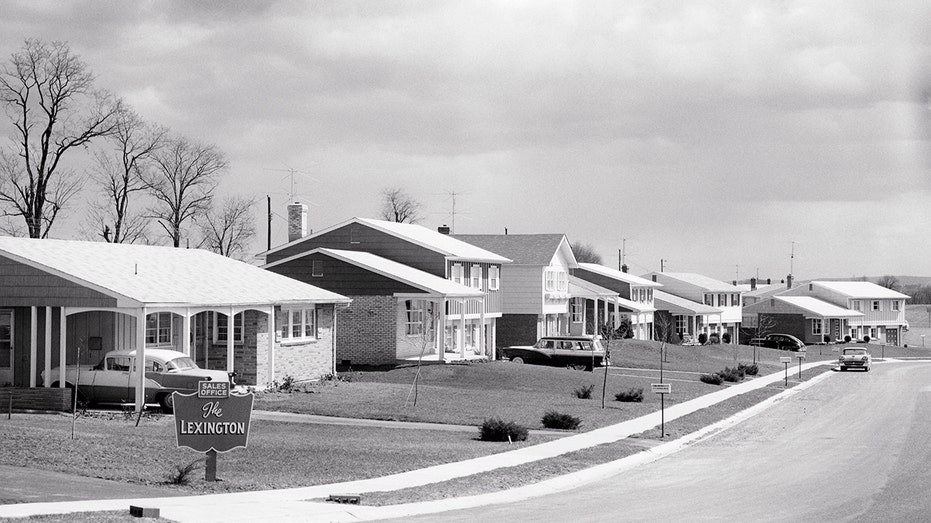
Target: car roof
{"x":855,"y":348}
{"x":163,"y":354}
{"x":569,"y":338}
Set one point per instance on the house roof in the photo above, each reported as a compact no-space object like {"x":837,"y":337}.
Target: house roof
{"x":861,"y":289}
{"x":816,"y":307}
{"x":425,"y":281}
{"x":619,"y":275}
{"x":522,"y":249}
{"x":699,"y":280}
{"x":579,"y":288}
{"x":681,"y":306}
{"x":416,"y":234}
{"x":139,"y":275}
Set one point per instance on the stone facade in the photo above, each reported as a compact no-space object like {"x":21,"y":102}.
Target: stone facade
{"x":367,"y":331}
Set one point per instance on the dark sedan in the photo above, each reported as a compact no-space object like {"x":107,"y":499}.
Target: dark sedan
{"x":779,"y":341}
{"x":580,"y":352}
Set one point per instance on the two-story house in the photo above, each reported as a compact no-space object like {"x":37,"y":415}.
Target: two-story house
{"x":882,"y":310}
{"x":712,"y":294}
{"x":414,"y":290}
{"x":535,"y":286}
{"x":634,"y":298}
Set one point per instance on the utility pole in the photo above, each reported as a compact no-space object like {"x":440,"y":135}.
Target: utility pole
{"x":269,"y":198}
{"x":792,"y":260}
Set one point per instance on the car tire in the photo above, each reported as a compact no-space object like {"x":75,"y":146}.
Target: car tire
{"x":167,"y":402}
{"x":579,"y":366}
{"x":843,"y":368}
{"x":517,"y":359}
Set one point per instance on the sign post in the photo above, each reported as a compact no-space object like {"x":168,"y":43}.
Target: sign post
{"x":662,"y":389}
{"x":786,"y":360}
{"x":212,"y":421}
{"x":800,"y":356}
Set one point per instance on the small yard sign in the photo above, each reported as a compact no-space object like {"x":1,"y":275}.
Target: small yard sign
{"x":785,"y":359}
{"x":661,"y":388}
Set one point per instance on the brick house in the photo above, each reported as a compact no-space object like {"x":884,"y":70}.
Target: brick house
{"x":65,"y":302}
{"x":634,"y":301}
{"x":712,"y":294}
{"x":805,"y":317}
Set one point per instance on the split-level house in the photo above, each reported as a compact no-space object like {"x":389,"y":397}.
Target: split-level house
{"x":634,"y":299}
{"x":415,"y":292}
{"x":806,"y":317}
{"x":882,"y":310}
{"x":69,"y":302}
{"x":535,"y":286}
{"x":713,"y":295}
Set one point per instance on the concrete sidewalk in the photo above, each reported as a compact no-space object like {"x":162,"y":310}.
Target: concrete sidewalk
{"x":305,"y":503}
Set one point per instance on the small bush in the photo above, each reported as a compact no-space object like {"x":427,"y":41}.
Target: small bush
{"x":826,"y":338}
{"x":847,"y":339}
{"x":713,"y":379}
{"x":726,"y":338}
{"x":182,"y":473}
{"x":555,"y":420}
{"x":703,"y":338}
{"x":714,"y":338}
{"x":584,"y":392}
{"x":731,"y":375}
{"x":866,"y":339}
{"x":749,"y":370}
{"x":631,"y":395}
{"x":495,"y":429}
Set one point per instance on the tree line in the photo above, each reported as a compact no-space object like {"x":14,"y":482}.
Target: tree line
{"x":150,"y":185}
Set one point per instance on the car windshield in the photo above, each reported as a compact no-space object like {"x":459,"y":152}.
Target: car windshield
{"x":182,"y":363}
{"x":855,"y":352}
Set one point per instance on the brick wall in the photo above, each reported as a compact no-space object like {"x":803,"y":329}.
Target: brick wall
{"x":55,"y":399}
{"x":367,"y":331}
{"x":516,"y":329}
{"x":793,"y":324}
{"x":302,"y":361}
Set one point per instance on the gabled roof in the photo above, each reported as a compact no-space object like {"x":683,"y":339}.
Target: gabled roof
{"x":427,"y":238}
{"x":681,"y":306}
{"x":815,"y":307}
{"x":139,"y":275}
{"x":698,"y":280}
{"x":861,"y":289}
{"x":430,"y":284}
{"x":523,"y":249}
{"x":619,"y":275}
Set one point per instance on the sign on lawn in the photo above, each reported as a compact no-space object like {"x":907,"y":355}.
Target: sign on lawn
{"x":661,"y":388}
{"x":212,"y":419}
{"x":785,"y":359}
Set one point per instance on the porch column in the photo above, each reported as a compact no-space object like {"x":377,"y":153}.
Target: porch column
{"x":493,"y":346}
{"x":62,"y":347}
{"x":271,"y":342}
{"x":48,"y":348}
{"x":186,"y":333}
{"x":140,"y":359}
{"x":594,"y":319}
{"x":462,"y":311}
{"x":481,"y":330}
{"x":441,"y":332}
{"x":617,"y":312}
{"x":33,"y":345}
{"x":230,"y":322}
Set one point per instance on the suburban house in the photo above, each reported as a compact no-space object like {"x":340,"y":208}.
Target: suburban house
{"x":682,"y":320}
{"x":882,"y":310}
{"x":634,"y":298}
{"x":414,"y":290}
{"x":806,"y":317}
{"x":66,"y":302}
{"x":535,"y":286}
{"x":712,"y":293}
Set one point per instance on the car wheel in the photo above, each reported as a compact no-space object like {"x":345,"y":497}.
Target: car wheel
{"x":517,"y":359}
{"x":842,"y":368}
{"x":167,"y":402}
{"x":578,"y":366}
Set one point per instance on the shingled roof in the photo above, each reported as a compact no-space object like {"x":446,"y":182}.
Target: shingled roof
{"x":522,"y":249}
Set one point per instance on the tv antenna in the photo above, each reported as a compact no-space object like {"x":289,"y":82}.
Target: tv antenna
{"x":290,"y":175}
{"x":453,"y":212}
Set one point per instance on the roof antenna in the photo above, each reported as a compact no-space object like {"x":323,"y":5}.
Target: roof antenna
{"x":136,"y":270}
{"x":505,"y":231}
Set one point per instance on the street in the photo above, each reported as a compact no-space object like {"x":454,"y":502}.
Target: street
{"x":855,"y":447}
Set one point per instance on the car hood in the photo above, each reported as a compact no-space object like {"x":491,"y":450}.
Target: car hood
{"x":214,"y":375}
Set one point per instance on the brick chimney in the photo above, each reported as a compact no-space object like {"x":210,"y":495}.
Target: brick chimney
{"x":789,"y":281}
{"x":443,"y":229}
{"x":752,"y":284}
{"x":297,"y":221}
{"x":624,"y":268}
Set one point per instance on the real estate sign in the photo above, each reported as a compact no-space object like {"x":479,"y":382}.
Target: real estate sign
{"x":212,"y":419}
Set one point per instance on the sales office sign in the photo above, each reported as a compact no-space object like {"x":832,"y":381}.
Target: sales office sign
{"x":212,"y":419}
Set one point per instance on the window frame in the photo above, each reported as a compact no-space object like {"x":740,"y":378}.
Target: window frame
{"x":414,"y":316}
{"x":316,"y":268}
{"x":817,"y":327}
{"x":159,"y":328}
{"x":577,"y":310}
{"x":876,"y":306}
{"x":494,"y":277}
{"x":285,"y":329}
{"x":457,"y":273}
{"x":239,"y":325}
{"x":475,"y":276}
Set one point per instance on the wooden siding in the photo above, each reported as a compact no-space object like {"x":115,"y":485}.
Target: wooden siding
{"x":493,"y":299}
{"x":681,"y":289}
{"x":522,"y":287}
{"x":620,"y":287}
{"x":341,"y":277}
{"x":22,"y":285}
{"x":360,"y":237}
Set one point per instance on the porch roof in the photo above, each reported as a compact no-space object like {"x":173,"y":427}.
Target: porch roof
{"x":144,"y":275}
{"x":814,"y":307}
{"x":614,"y":274}
{"x":633,"y":306}
{"x":429,"y":283}
{"x":680,"y":306}
{"x":579,"y":288}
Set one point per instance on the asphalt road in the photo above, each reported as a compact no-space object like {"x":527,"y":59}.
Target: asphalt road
{"x":855,"y":447}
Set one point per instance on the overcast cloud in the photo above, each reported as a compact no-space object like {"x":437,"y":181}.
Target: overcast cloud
{"x":709,"y":134}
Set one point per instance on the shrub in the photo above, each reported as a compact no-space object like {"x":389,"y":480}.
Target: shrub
{"x":714,"y":338}
{"x":555,"y":420}
{"x":731,"y":375}
{"x":713,"y":379}
{"x":584,"y":392}
{"x":495,"y":429}
{"x":703,"y":338}
{"x":726,"y":338}
{"x":847,"y":339}
{"x":631,"y":395}
{"x":749,"y":370}
{"x":866,"y":339}
{"x":182,"y":473}
{"x":826,"y":338}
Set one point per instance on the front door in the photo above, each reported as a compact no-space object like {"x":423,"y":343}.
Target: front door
{"x":6,"y":348}
{"x":892,"y":336}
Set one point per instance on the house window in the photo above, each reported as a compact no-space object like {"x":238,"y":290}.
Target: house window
{"x":562,"y":281}
{"x":316,"y":269}
{"x":816,"y":327}
{"x":735,"y":300}
{"x":414,"y":319}
{"x":576,"y":310}
{"x":856,"y":305}
{"x":297,"y":324}
{"x":158,"y":326}
{"x":6,"y":339}
{"x":493,"y":278}
{"x":895,"y":305}
{"x":550,"y":280}
{"x":476,"y":274}
{"x":457,"y":273}
{"x":709,"y":299}
{"x":649,"y":295}
{"x":682,"y":326}
{"x":877,"y":306}
{"x":220,"y":327}
{"x":722,"y":300}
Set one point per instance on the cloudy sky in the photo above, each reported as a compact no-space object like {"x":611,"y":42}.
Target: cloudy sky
{"x":718,"y":136}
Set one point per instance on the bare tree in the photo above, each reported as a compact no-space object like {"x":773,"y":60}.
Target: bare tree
{"x":120,"y":172}
{"x":48,"y":93}
{"x":585,"y":253}
{"x":398,"y":206}
{"x":888,"y":281}
{"x":229,"y":228}
{"x":182,"y":183}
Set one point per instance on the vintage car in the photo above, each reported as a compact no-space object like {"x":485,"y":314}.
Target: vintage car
{"x":779,"y":341}
{"x":579,"y":352}
{"x":114,"y":379}
{"x":855,"y":358}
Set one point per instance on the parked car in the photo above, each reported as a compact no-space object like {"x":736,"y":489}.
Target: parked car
{"x":855,"y":358}
{"x":779,"y":341}
{"x":582,"y":352}
{"x":113,"y":380}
